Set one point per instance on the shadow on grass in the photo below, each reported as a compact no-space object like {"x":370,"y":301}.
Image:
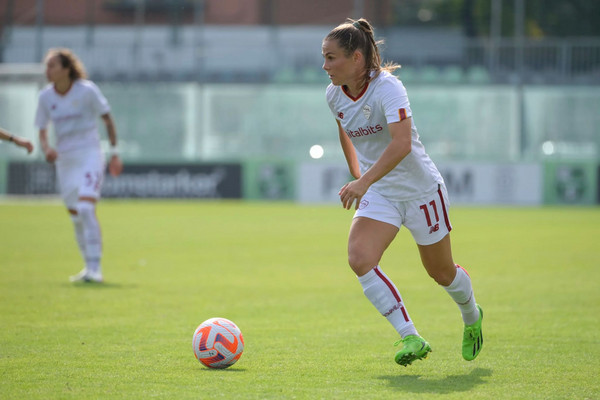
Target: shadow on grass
{"x":221,"y":370}
{"x":449,"y":384}
{"x":98,"y":286}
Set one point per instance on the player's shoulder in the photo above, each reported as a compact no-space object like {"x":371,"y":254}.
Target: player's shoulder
{"x":387,"y":80}
{"x":387,"y":85}
{"x":332,"y":91}
{"x":87,"y":89}
{"x":85,"y":84}
{"x":46,"y":90}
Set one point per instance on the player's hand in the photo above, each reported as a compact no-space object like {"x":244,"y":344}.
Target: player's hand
{"x":29,"y":147}
{"x":51,"y":155}
{"x":24,"y":143}
{"x":352,"y":192}
{"x":115,"y":166}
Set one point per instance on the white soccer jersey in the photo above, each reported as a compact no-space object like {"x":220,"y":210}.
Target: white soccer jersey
{"x":365,"y":120}
{"x":73,"y":114}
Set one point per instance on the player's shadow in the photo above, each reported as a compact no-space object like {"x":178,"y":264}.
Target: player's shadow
{"x":98,"y":286}
{"x":449,"y":384}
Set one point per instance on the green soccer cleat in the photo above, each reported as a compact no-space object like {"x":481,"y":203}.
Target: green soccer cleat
{"x":473,"y":338}
{"x":413,"y":348}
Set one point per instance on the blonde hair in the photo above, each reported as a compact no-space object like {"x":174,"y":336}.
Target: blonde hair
{"x":69,"y":60}
{"x":359,"y":35}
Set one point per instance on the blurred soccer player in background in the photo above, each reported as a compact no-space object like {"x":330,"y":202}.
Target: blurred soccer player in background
{"x":396,"y":184}
{"x":26,"y":144}
{"x":73,"y":105}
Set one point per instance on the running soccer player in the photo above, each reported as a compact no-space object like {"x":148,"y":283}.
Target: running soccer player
{"x":73,"y":105}
{"x":26,"y":144}
{"x":396,"y":184}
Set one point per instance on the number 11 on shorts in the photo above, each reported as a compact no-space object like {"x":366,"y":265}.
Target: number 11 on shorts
{"x":425,"y":208}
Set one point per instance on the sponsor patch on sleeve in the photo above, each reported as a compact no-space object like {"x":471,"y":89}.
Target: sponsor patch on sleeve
{"x":402,"y":113}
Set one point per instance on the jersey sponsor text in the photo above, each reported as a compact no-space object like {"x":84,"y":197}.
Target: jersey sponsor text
{"x":368,"y":130}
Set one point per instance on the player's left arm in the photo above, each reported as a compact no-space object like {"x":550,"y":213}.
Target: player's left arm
{"x":115,"y":166}
{"x":397,"y":149}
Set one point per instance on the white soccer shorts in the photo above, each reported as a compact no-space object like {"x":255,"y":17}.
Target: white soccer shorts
{"x":426,"y":218}
{"x":80,"y":174}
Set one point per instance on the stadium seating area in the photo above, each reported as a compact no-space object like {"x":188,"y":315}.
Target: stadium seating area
{"x":263,"y":54}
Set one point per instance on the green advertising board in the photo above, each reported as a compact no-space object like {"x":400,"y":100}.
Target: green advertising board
{"x":570,"y":182}
{"x":269,"y":180}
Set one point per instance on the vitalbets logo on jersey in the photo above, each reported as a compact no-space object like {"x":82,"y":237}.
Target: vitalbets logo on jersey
{"x":367,"y":130}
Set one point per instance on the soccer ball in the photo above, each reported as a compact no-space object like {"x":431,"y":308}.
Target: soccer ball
{"x":218,"y":343}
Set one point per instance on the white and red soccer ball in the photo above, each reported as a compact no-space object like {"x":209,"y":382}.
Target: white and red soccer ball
{"x":218,"y":343}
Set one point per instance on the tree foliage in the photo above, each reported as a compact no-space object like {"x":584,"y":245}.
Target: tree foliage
{"x":542,"y":18}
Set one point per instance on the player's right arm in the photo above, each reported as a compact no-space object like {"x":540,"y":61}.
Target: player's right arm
{"x":349,"y":152}
{"x":49,"y":152}
{"x":42,"y":118}
{"x":4,"y":135}
{"x":26,"y":144}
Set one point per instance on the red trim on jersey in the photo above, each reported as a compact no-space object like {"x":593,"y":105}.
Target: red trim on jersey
{"x":402,"y":113}
{"x":389,"y":285}
{"x":446,"y":219}
{"x":359,"y":95}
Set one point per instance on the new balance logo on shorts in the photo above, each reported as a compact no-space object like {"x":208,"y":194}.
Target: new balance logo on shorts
{"x":434,"y":228}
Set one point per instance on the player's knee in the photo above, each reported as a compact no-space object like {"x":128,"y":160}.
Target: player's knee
{"x":75,"y":218}
{"x":442,"y":276}
{"x":361,"y":262}
{"x":86,"y":209}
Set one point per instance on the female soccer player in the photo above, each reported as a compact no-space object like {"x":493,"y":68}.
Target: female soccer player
{"x":396,"y":184}
{"x":73,"y":104}
{"x":26,"y":144}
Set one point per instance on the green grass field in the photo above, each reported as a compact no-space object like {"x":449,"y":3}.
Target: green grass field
{"x":279,"y":271}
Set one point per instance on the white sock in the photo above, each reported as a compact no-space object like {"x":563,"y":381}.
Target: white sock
{"x":382,"y":293}
{"x":91,"y":234}
{"x":78,"y":225}
{"x":461,"y":292}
